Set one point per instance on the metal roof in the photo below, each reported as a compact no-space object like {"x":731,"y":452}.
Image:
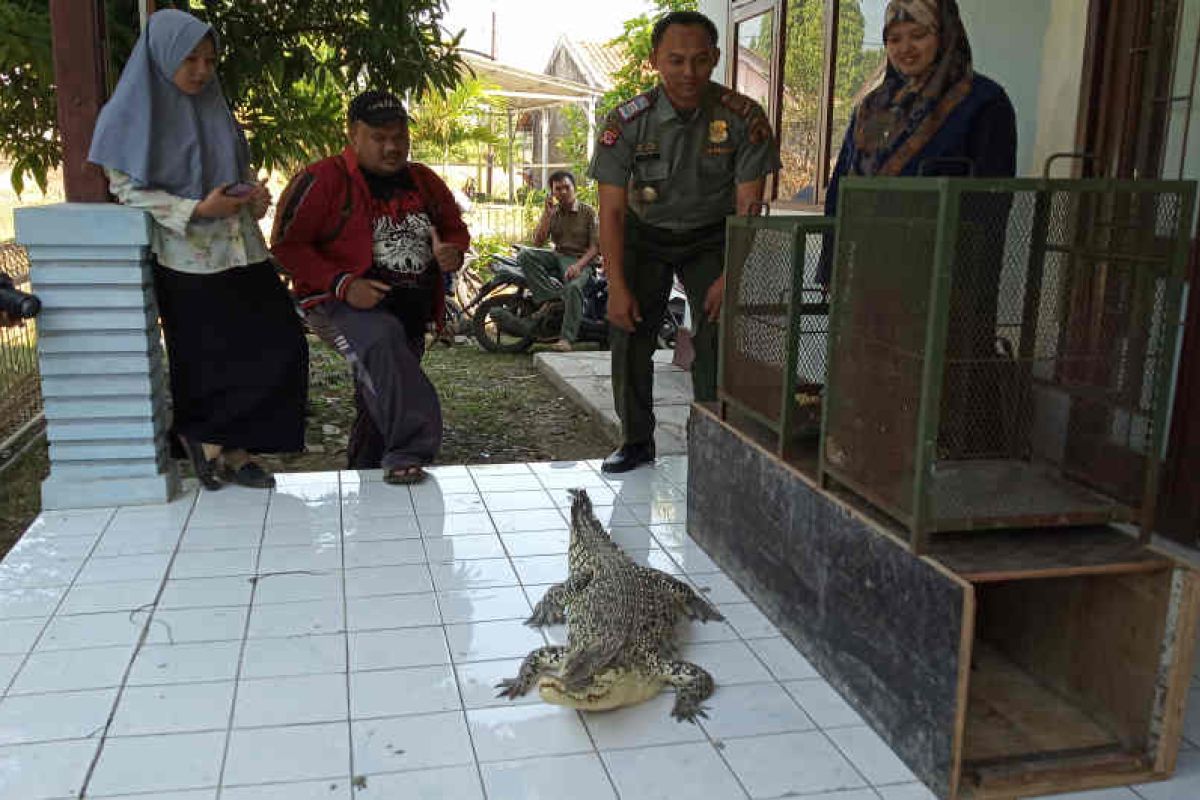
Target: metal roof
{"x":522,"y":90}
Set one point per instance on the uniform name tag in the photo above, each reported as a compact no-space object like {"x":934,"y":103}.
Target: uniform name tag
{"x":634,"y":107}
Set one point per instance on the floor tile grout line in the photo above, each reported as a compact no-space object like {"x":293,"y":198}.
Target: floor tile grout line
{"x":346,"y":635}
{"x":138,"y":645}
{"x":462,"y":702}
{"x":237,"y":674}
{"x":781,"y":685}
{"x":47,"y":619}
{"x":776,"y":680}
{"x":599,"y":756}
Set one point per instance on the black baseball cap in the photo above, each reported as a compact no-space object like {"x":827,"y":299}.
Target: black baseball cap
{"x":377,"y":108}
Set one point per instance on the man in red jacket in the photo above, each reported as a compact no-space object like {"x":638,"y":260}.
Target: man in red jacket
{"x":366,"y":236}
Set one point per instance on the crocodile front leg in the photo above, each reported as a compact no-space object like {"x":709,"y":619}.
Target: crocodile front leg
{"x":692,"y":604}
{"x":693,"y":685}
{"x":540,"y":661}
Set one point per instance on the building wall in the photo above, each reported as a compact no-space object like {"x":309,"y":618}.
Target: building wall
{"x":1034,"y":49}
{"x":561,"y":66}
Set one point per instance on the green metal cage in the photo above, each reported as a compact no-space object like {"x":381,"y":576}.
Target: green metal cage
{"x":774,"y":324}
{"x":1001,"y":351}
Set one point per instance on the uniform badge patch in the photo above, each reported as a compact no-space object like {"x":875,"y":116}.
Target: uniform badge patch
{"x":718,"y":131}
{"x":609,"y":137}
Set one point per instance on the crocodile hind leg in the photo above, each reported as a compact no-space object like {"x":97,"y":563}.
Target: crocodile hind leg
{"x":535,"y":664}
{"x":552,"y":608}
{"x":693,"y":685}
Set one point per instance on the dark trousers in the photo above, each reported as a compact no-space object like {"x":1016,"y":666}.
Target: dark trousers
{"x":653,"y":256}
{"x":545,"y":271}
{"x":399,"y":418}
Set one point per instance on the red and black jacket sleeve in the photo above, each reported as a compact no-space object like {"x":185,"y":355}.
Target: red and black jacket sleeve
{"x":303,"y":236}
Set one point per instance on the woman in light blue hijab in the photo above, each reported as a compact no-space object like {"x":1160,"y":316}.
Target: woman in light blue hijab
{"x":239,"y":362}
{"x":176,"y":136}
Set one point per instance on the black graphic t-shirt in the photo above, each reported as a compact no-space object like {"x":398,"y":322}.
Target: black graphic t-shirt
{"x":403,"y":248}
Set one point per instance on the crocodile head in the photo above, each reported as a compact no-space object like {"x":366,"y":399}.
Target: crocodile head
{"x":610,"y":689}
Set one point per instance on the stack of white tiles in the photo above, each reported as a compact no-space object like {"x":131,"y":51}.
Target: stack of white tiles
{"x":103,"y":373}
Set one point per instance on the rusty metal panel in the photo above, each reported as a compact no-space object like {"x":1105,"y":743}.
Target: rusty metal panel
{"x":879,"y":319}
{"x":1035,"y":322}
{"x":773,"y":332}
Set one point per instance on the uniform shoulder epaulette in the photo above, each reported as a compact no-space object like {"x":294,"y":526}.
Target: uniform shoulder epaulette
{"x":738,"y":103}
{"x":752,"y":112}
{"x":639,"y":105}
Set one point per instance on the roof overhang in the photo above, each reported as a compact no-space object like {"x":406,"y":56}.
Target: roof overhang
{"x":522,"y":90}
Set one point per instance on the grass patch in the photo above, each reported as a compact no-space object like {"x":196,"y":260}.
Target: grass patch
{"x":21,"y":493}
{"x":496,"y":408}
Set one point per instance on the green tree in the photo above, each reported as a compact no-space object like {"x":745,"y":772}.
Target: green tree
{"x":636,"y":75}
{"x":454,"y":123}
{"x":288,"y":68}
{"x":633,"y":77}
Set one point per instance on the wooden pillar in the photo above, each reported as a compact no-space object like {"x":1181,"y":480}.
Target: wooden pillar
{"x":79,"y":72}
{"x":145,"y":9}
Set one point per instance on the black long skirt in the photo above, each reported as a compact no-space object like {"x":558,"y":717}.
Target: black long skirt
{"x":238,"y":358}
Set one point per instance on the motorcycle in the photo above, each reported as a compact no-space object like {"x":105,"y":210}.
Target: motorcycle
{"x":527,"y":321}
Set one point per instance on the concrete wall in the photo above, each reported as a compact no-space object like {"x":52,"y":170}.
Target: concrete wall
{"x":1178,"y":152}
{"x":718,"y":12}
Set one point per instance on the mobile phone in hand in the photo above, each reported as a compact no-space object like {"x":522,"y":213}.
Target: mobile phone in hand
{"x":239,"y":189}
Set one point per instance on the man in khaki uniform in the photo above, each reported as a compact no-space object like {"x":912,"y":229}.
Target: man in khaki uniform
{"x":672,"y":164}
{"x":562,"y":273}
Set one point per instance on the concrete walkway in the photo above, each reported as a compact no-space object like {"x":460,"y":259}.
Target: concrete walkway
{"x":586,"y":378}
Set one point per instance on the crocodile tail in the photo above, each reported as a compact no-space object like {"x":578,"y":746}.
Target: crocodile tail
{"x":580,"y":502}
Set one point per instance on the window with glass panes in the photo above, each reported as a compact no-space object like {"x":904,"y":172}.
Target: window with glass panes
{"x":809,"y":63}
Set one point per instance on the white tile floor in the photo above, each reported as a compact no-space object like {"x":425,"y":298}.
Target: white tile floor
{"x":339,"y":638}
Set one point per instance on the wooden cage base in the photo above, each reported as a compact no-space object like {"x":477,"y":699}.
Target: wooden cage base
{"x":1000,"y":664}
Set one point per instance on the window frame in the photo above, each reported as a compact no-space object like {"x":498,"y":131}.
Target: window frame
{"x":740,"y":11}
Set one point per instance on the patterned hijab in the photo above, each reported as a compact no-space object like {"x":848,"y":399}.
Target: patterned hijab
{"x":165,"y":139}
{"x":896,"y":120}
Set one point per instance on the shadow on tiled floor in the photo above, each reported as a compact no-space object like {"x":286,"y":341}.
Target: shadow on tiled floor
{"x":339,"y":638}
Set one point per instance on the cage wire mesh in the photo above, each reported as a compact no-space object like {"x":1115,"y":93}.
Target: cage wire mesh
{"x":1040,"y":347}
{"x":774,"y":329}
{"x":20,"y":388}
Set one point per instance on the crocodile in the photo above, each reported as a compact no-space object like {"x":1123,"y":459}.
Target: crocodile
{"x":621,"y":620}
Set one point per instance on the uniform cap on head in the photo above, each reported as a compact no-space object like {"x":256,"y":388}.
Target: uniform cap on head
{"x":377,"y":108}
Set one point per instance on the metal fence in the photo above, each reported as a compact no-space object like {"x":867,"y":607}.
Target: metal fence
{"x":500,"y":220}
{"x":1001,"y":351}
{"x":774,"y":323}
{"x":20,"y":386}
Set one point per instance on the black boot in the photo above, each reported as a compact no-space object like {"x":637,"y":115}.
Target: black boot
{"x":628,"y":456}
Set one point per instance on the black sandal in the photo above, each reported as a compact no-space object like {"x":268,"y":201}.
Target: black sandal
{"x":400,"y":476}
{"x":205,"y":469}
{"x":250,"y":474}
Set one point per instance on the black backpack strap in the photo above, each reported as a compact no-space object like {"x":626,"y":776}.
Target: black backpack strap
{"x":347,"y":203}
